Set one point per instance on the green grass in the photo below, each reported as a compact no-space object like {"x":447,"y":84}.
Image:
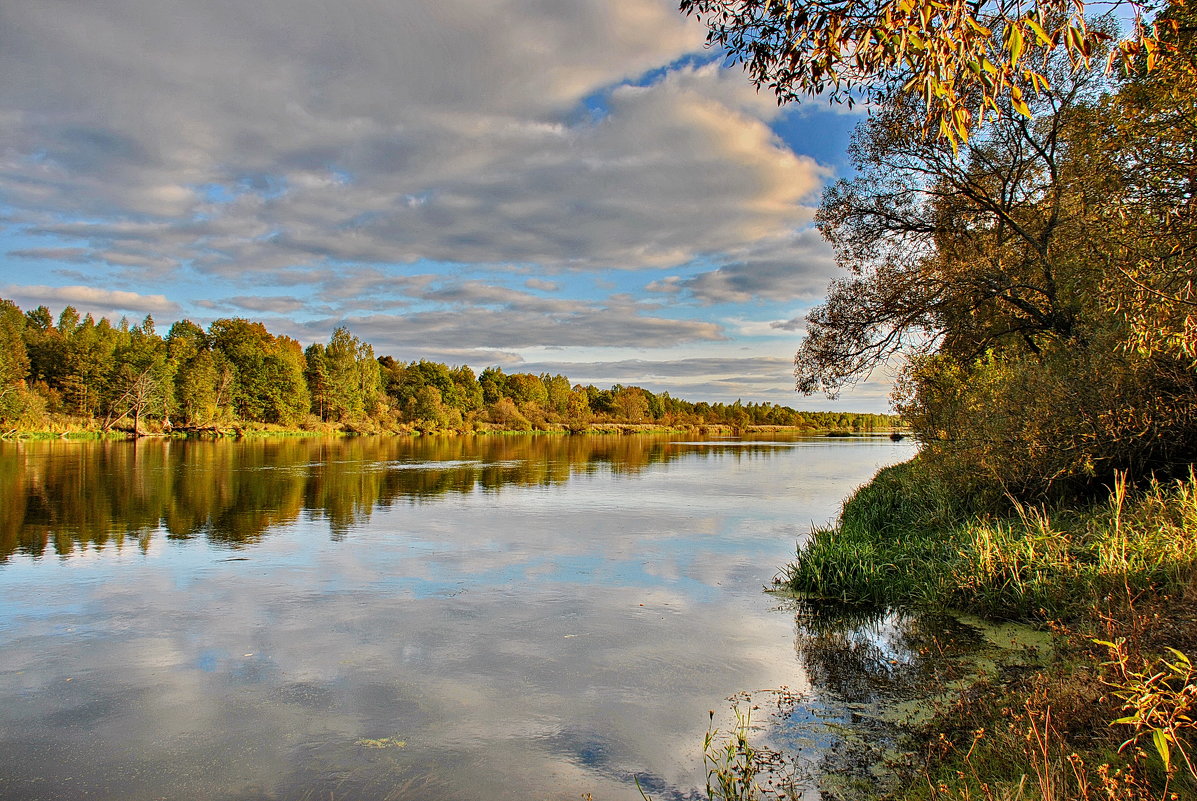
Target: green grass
{"x":890,"y":536}
{"x":906,"y":539}
{"x":1117,"y":579}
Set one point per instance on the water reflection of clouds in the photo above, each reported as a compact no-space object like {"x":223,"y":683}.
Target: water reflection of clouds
{"x":539,"y":640}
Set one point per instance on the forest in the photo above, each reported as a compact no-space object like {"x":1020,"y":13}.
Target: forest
{"x":77,"y":372}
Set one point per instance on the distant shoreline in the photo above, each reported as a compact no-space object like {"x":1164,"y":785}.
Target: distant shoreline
{"x":486,"y":429}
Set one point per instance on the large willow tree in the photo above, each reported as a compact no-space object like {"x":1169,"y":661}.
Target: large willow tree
{"x":963,"y":59}
{"x":1038,"y":280}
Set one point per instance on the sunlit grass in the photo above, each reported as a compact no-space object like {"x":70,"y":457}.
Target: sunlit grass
{"x":904,"y":540}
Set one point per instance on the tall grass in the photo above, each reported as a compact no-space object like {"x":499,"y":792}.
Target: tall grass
{"x":906,"y":539}
{"x":1123,"y":567}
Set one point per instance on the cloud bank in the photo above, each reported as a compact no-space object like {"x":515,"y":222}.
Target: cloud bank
{"x":453,"y":180}
{"x":289,"y":133}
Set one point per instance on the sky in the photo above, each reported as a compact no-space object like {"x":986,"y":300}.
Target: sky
{"x":564,"y":186}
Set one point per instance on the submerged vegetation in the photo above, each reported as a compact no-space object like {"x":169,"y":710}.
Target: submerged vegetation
{"x":1109,"y":713}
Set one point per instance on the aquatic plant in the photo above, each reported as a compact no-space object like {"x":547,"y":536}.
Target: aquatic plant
{"x":731,"y":761}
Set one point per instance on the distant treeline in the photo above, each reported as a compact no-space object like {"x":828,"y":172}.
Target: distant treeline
{"x":128,"y":377}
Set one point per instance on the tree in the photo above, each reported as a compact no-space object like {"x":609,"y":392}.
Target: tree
{"x":142,"y":380}
{"x":557,"y":390}
{"x":963,"y":252}
{"x":469,"y":392}
{"x":351,"y":375}
{"x":962,"y":59}
{"x":14,"y":360}
{"x":527,"y":390}
{"x":198,"y":385}
{"x":1152,"y":146}
{"x":494,"y":385}
{"x":630,"y":404}
{"x":316,"y":374}
{"x":43,"y":344}
{"x":404,"y":384}
{"x":427,"y":409}
{"x":245,"y":345}
{"x":505,"y":413}
{"x":1015,"y":275}
{"x":88,"y":359}
{"x":287,"y":400}
{"x":15,"y":399}
{"x":267,"y":372}
{"x":577,"y":410}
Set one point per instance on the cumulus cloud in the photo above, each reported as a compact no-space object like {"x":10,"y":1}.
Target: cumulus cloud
{"x":793,"y":324}
{"x":634,"y":371}
{"x":277,"y":304}
{"x":76,"y":255}
{"x":515,"y":327}
{"x":386,"y":133}
{"x":454,"y":181}
{"x":797,"y":266}
{"x":100,"y":302}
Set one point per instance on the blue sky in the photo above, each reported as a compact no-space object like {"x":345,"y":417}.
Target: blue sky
{"x":571,"y":186}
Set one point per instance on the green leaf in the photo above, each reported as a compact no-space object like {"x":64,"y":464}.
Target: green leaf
{"x":1179,"y":655}
{"x":1160,"y":738}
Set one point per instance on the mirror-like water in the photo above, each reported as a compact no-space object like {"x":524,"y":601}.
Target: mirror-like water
{"x":491,"y":618}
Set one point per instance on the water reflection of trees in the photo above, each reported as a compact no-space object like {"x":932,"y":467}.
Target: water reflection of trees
{"x":872,"y":671}
{"x":59,"y":495}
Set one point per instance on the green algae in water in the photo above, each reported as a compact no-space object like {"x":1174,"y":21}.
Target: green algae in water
{"x":877,"y":676}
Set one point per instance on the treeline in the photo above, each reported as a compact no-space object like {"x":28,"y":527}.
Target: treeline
{"x":236,"y":373}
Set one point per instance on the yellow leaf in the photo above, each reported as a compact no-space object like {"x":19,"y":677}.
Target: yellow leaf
{"x":978,"y":27}
{"x":1178,"y":655}
{"x":1040,"y":34}
{"x":1014,"y":42}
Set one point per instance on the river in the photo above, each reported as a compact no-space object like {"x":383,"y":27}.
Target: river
{"x":466,"y":619}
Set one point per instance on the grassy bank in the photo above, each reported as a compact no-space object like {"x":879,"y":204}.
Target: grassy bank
{"x":1112,"y":714}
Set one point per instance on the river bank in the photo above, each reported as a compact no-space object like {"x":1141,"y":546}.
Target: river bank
{"x":1109,"y":715}
{"x":72,"y":429}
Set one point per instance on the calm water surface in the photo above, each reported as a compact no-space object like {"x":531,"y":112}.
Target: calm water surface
{"x":475,"y":619}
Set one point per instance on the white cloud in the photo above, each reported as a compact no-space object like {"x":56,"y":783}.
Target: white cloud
{"x":277,"y":304}
{"x":636,"y":370}
{"x":385,"y":133}
{"x":454,"y":180}
{"x":514,"y":328}
{"x":100,"y":302}
{"x":797,"y":265}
